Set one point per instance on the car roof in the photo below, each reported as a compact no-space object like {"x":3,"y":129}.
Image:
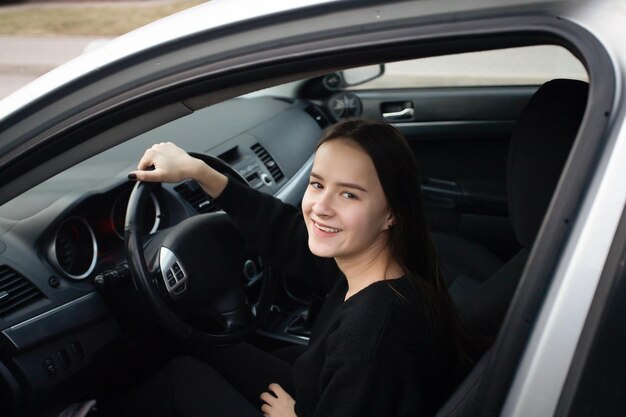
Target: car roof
{"x":206,"y":16}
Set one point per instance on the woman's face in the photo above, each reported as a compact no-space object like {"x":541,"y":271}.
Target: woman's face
{"x":344,"y":206}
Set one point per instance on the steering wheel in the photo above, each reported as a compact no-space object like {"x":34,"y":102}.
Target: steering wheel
{"x":191,"y":273}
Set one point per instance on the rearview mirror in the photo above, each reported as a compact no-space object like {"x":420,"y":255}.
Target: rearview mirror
{"x":360,"y":75}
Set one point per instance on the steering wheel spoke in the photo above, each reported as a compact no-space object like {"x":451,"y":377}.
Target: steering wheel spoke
{"x":173,"y":274}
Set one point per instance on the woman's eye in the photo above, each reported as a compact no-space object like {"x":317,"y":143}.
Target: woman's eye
{"x":350,"y":196}
{"x":315,"y":184}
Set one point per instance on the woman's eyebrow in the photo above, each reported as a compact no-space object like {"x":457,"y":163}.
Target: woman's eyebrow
{"x":343,"y":184}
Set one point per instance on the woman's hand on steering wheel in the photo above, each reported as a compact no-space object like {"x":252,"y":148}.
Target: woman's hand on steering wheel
{"x":172,"y":164}
{"x":165,"y":162}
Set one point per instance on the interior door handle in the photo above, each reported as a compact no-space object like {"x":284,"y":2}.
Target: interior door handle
{"x":404,"y":114}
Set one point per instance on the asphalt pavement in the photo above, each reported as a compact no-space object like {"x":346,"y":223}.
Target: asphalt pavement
{"x":22,"y":59}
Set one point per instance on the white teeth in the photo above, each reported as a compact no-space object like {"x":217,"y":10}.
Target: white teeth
{"x":326,"y":229}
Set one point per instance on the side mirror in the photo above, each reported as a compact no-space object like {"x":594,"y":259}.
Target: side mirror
{"x":360,"y":75}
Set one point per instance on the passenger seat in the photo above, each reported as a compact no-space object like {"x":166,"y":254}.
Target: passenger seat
{"x":539,"y":148}
{"x":481,"y":285}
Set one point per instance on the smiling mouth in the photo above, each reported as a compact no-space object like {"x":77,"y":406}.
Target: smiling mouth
{"x":325,"y":228}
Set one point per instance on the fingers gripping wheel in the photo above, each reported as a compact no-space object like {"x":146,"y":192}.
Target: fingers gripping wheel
{"x":198,"y":280}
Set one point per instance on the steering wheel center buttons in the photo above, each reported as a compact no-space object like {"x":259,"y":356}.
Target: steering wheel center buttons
{"x":173,"y":273}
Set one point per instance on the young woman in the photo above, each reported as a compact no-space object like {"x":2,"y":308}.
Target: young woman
{"x":386,"y":342}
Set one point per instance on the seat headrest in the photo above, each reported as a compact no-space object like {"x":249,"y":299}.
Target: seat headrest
{"x":538,"y":150}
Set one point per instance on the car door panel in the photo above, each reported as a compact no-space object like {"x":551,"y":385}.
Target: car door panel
{"x":460,"y":138}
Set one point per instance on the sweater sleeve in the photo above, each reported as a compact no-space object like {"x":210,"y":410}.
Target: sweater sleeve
{"x":278,"y":232}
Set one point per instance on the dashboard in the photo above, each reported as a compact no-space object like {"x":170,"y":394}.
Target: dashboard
{"x":59,"y":239}
{"x":90,"y":238}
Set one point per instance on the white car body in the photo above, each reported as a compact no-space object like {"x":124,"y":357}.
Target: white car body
{"x":286,"y":34}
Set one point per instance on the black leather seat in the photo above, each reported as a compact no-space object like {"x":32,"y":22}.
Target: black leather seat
{"x":538,"y":150}
{"x":466,"y":264}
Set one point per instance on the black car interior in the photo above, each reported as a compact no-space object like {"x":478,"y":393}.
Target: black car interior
{"x":74,"y":325}
{"x":538,"y":150}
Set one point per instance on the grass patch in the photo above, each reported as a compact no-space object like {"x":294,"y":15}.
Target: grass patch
{"x":85,"y":20}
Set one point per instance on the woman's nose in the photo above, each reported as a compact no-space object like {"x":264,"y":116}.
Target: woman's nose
{"x":323,"y":206}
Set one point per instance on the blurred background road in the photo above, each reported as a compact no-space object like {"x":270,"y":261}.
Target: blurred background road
{"x":36,"y":36}
{"x":22,"y":59}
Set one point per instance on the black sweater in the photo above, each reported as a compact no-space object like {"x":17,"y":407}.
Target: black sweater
{"x":368,"y":356}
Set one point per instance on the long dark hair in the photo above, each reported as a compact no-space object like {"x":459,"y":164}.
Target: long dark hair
{"x":409,"y":240}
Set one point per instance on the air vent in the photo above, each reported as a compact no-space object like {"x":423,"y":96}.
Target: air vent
{"x":195,"y":195}
{"x":266,"y":158}
{"x":16,"y":291}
